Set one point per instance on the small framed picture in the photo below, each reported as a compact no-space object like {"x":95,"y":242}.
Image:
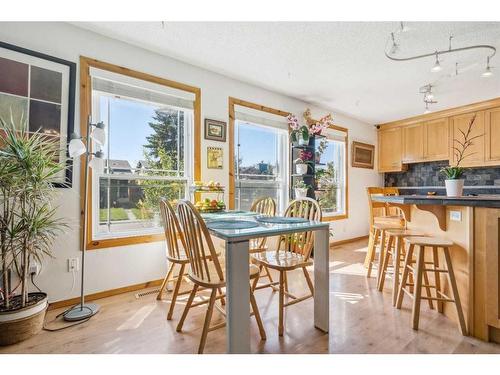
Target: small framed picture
{"x":215,"y":158}
{"x":215,"y":130}
{"x":363,"y":155}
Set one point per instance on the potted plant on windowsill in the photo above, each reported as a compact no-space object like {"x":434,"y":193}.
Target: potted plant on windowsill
{"x":303,"y":161}
{"x":301,"y":188}
{"x":28,"y":224}
{"x":454,"y":183}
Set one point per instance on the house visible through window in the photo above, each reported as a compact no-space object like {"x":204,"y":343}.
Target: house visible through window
{"x":331,"y":173}
{"x":261,"y":159}
{"x":147,"y":155}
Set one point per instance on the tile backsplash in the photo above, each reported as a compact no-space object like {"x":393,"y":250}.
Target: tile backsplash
{"x":427,"y":175}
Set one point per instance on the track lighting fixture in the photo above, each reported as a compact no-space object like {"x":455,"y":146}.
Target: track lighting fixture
{"x":428,"y":96}
{"x":437,"y":65}
{"x":392,"y":47}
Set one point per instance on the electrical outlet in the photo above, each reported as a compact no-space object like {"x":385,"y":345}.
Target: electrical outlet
{"x":72,"y":264}
{"x":34,"y":268}
{"x":456,"y":215}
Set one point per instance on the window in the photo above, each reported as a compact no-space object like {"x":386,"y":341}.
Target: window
{"x":331,"y":173}
{"x":260,"y":163}
{"x":149,"y":154}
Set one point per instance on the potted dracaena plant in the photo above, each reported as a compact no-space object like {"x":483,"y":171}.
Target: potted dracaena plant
{"x":454,"y":182}
{"x":28,"y":225}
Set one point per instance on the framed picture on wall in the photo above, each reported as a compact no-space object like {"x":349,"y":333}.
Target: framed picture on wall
{"x":215,"y":130}
{"x":214,"y":158}
{"x":37,"y":93}
{"x":363,"y":155}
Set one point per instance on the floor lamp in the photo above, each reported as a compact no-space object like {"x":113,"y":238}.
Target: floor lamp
{"x":77,"y":148}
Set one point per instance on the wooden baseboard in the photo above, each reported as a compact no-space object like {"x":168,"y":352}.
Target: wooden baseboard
{"x":349,"y":240}
{"x":106,"y":293}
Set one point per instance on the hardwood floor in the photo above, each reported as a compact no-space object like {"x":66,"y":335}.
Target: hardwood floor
{"x":362,"y":320}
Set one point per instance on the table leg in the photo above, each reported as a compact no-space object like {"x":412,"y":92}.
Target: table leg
{"x":321,"y":279}
{"x":237,"y":297}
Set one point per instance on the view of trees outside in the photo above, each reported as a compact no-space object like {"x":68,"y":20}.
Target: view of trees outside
{"x":154,"y":148}
{"x":164,"y":155}
{"x":328,"y":177}
{"x":327,"y":196}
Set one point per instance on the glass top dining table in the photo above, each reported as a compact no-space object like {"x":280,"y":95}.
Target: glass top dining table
{"x":237,"y":258}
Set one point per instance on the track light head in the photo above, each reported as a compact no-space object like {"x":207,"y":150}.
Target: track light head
{"x":487,"y":73}
{"x":437,"y":66}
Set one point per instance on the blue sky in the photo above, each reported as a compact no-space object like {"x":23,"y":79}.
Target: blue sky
{"x":129,"y":128}
{"x":256,"y":145}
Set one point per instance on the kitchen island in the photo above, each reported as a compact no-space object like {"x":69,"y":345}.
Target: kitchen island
{"x":472,"y":223}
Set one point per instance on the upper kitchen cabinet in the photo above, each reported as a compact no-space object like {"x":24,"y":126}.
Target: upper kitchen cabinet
{"x":430,"y":137}
{"x":426,"y":141}
{"x":413,"y":143}
{"x":436,"y":140}
{"x":475,"y":154}
{"x":492,"y":136}
{"x":390,"y":150}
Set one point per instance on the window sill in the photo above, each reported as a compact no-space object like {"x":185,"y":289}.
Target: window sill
{"x":335,"y":217}
{"x":124,"y":241}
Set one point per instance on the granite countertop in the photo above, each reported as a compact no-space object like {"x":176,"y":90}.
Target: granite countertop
{"x":492,"y":200}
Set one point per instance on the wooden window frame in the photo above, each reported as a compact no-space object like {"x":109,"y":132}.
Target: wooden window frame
{"x":85,"y":112}
{"x":232,"y":103}
{"x":243,"y":103}
{"x":346,"y":163}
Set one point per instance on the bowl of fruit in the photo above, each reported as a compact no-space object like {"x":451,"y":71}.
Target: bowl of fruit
{"x":210,"y":205}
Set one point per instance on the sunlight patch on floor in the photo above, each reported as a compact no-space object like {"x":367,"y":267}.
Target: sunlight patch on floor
{"x":351,"y":298}
{"x":361,"y":250}
{"x":136,"y":320}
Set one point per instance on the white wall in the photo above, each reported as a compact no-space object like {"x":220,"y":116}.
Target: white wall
{"x":117,"y":267}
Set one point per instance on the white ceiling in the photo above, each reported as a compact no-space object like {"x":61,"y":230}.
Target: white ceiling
{"x":337,"y":65}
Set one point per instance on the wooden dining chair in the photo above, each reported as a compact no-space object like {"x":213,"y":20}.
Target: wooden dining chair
{"x":176,"y":255}
{"x":293,"y":252}
{"x":205,"y":270}
{"x":263,"y":206}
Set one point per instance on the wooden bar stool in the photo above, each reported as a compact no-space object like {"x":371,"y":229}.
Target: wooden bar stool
{"x":395,"y":250}
{"x":383,"y":215}
{"x":377,"y":236}
{"x":417,"y":246}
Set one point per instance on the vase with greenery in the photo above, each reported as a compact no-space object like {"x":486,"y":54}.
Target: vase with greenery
{"x":301,"y":188}
{"x":454,"y":182}
{"x":28,"y":224}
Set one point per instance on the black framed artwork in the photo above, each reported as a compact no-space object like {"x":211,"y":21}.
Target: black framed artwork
{"x":215,"y":130}
{"x":37,"y":93}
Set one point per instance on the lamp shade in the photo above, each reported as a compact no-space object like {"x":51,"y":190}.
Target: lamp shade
{"x":97,"y":164}
{"x":76,"y":148}
{"x":99,"y":136}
